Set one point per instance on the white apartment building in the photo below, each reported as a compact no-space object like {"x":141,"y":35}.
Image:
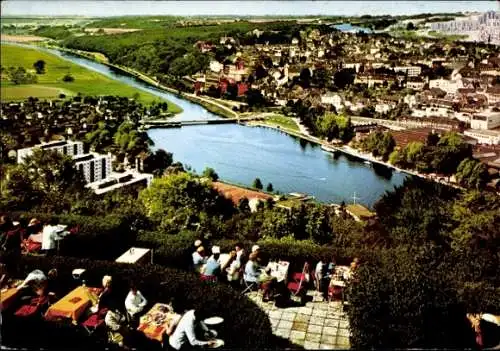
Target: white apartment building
{"x":412,"y":71}
{"x":117,"y":180}
{"x":485,"y":120}
{"x":67,"y":147}
{"x":449,"y":86}
{"x":94,"y":166}
{"x":489,"y":137}
{"x":332,"y":99}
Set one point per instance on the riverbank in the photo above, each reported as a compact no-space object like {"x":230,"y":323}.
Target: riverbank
{"x":349,"y":151}
{"x":50,"y":85}
{"x":211,"y":106}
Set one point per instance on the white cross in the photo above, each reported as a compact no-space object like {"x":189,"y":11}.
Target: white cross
{"x":354,"y":198}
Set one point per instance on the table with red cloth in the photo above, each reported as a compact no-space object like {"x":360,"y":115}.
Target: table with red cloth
{"x":156,"y":322}
{"x":74,"y":304}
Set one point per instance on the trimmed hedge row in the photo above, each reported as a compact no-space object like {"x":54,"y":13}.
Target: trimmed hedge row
{"x":98,"y":237}
{"x":245,"y":326}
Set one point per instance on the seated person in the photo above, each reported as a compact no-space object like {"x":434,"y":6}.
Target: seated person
{"x":240,"y":253}
{"x":35,"y":276}
{"x":115,"y":321}
{"x":267,"y":283}
{"x":233,"y":271}
{"x":199,"y":259}
{"x":184,"y":336}
{"x":252,"y":270}
{"x":12,"y":240}
{"x":106,"y":296}
{"x":135,"y":302}
{"x":34,"y":227}
{"x":5,"y":224}
{"x":213,"y":267}
{"x":178,"y":309}
{"x":54,"y":288}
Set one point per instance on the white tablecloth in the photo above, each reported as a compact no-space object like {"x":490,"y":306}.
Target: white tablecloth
{"x":133,"y":255}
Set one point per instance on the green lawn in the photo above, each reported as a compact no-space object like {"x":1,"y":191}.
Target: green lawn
{"x":282,"y":121}
{"x":86,"y":82}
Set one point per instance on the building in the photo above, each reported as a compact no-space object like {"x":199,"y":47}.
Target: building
{"x":118,"y":180}
{"x":415,"y":84}
{"x":485,"y":120}
{"x":67,"y":147}
{"x":449,"y":86}
{"x":332,"y":99}
{"x":487,"y":137}
{"x":94,"y":166}
{"x":411,"y":71}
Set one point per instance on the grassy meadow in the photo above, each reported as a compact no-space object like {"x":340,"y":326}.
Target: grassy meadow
{"x":51,"y":84}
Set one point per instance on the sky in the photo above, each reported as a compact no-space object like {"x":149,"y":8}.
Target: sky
{"x":237,"y":8}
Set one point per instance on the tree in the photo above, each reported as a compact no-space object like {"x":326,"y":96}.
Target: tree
{"x":243,"y":205}
{"x":39,"y":66}
{"x":270,"y":188}
{"x":20,"y":76}
{"x":410,"y":26}
{"x":210,"y":173}
{"x":46,"y":180}
{"x":68,"y":78}
{"x":472,"y":174}
{"x":257,"y":184}
{"x":158,"y":162}
{"x":178,"y":201}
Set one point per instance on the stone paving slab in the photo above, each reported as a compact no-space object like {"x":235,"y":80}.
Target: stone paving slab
{"x":317,"y":325}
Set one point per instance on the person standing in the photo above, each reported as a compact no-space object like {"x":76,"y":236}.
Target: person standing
{"x":49,"y":237}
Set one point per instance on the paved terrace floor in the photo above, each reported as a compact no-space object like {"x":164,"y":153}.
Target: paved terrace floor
{"x":317,"y":325}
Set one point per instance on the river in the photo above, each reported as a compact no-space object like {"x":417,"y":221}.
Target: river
{"x":240,"y":153}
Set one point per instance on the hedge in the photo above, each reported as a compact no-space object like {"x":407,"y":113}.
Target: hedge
{"x":401,"y":301}
{"x":98,"y":237}
{"x":245,"y":326}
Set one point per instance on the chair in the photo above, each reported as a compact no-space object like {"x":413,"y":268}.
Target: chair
{"x":297,"y":285}
{"x":249,"y":286}
{"x":210,"y":279}
{"x":36,"y":306}
{"x":93,"y":322}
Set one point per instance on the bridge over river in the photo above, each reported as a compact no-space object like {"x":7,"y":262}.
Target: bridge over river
{"x":165,"y":123}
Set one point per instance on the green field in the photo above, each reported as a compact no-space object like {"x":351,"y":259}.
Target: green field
{"x":49,"y":84}
{"x":282,"y":121}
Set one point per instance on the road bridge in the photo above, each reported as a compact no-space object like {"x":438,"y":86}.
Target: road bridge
{"x":147,"y":124}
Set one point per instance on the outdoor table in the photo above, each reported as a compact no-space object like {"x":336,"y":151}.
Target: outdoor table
{"x":152,"y":329}
{"x":279,"y":270}
{"x":74,"y":304}
{"x":8,"y":296}
{"x":134,"y":255}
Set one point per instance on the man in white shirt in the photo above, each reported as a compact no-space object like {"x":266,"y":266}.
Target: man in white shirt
{"x":49,"y":237}
{"x":135,"y":302}
{"x":184,"y":336}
